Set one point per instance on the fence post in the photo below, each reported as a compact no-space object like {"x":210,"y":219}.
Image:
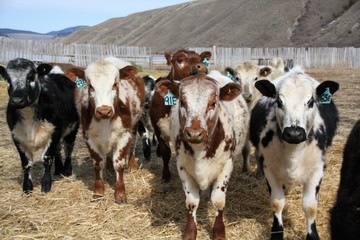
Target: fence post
{"x":214,"y":55}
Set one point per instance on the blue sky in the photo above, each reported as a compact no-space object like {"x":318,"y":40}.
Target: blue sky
{"x":43,"y":16}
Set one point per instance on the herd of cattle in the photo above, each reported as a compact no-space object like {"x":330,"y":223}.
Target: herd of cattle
{"x":206,"y":119}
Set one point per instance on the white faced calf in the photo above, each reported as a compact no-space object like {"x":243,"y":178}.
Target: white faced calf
{"x":292,"y":126}
{"x":110,"y":105}
{"x":208,"y":129}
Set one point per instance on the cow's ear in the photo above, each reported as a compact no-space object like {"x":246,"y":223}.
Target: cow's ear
{"x":230,"y":91}
{"x":4,"y":74}
{"x":205,"y":54}
{"x":165,"y":85}
{"x":168,"y":57}
{"x":266,"y":88}
{"x":230,"y":72}
{"x":128,"y":72}
{"x":265,"y":71}
{"x":43,"y":69}
{"x":73,"y":73}
{"x":331,"y":85}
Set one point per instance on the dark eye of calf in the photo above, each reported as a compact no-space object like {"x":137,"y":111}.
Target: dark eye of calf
{"x":310,"y":103}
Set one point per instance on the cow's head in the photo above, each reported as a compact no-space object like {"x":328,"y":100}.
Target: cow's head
{"x":101,"y":86}
{"x":297,"y":97}
{"x":199,"y":103}
{"x":185,"y":63}
{"x":23,"y":81}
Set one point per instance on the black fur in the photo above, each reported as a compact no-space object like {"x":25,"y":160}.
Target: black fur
{"x":345,"y":214}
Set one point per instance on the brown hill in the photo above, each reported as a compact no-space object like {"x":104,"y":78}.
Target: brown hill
{"x":232,"y":23}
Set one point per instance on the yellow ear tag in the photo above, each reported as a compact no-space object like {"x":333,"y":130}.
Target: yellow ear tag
{"x":229,"y":91}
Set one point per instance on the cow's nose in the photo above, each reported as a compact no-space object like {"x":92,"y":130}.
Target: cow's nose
{"x":248,"y":97}
{"x":199,"y":68}
{"x":294,"y":135}
{"x":104,"y":112}
{"x":194,"y":135}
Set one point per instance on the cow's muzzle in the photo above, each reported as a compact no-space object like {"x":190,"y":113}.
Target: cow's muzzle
{"x":192,"y":135}
{"x":294,"y":135}
{"x":199,"y":68}
{"x":104,"y":112}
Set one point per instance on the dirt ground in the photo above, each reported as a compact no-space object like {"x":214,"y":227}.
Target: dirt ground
{"x":156,"y":210}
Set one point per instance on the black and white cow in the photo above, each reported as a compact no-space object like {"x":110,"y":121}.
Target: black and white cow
{"x":41,"y":114}
{"x":145,"y":128}
{"x":291,"y":127}
{"x":345,"y":214}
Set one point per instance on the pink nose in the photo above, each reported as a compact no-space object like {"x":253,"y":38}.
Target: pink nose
{"x":194,"y":135}
{"x":104,"y":112}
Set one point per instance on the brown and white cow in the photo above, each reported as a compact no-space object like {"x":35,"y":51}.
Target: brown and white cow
{"x":183,"y":64}
{"x":110,"y":104}
{"x":208,"y":130}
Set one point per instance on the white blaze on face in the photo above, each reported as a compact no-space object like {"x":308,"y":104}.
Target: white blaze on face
{"x":196,"y":96}
{"x":296,"y":98}
{"x":102,"y":77}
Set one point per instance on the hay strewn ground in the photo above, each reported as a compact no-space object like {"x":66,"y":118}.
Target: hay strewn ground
{"x":156,"y":210}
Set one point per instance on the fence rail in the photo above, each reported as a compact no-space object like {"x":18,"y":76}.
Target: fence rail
{"x":83,"y":54}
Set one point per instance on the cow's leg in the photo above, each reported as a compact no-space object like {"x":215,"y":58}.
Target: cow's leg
{"x":192,"y":201}
{"x":58,"y":161}
{"x":277,"y":203}
{"x":48,"y":158}
{"x":245,"y":155}
{"x":98,"y":164}
{"x":119,"y":163}
{"x":310,"y":201}
{"x":146,"y":144}
{"x":218,"y":197}
{"x":133,"y":165}
{"x":26,"y":163}
{"x":166,"y":155}
{"x":69,"y":142}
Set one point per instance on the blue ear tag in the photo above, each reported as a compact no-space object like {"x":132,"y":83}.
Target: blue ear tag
{"x":206,"y":62}
{"x":228,"y":74}
{"x":326,"y":97}
{"x":80,"y":82}
{"x":169,"y":99}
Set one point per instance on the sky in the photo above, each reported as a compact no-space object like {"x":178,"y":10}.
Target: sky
{"x":43,"y":16}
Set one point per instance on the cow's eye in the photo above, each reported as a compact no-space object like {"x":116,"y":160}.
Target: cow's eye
{"x":310,"y":103}
{"x":212,"y":105}
{"x":182,"y":103}
{"x":115,"y":86}
{"x":91,"y":88}
{"x":279,"y":102}
{"x":237,"y":79}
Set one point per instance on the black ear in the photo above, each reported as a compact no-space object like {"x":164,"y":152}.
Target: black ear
{"x":266,"y":88}
{"x":4,"y":74}
{"x":333,"y":87}
{"x":43,"y":69}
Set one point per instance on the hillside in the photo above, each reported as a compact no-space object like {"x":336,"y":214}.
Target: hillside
{"x":232,"y":23}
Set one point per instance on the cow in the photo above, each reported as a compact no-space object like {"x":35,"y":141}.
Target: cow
{"x":145,"y":128}
{"x":345,"y":214}
{"x":292,"y":126}
{"x":246,"y":74}
{"x":208,"y":129}
{"x":110,"y":104}
{"x":183,"y":64}
{"x":41,"y":115}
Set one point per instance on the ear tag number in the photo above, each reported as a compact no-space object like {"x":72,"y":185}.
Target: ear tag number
{"x":80,"y":82}
{"x":326,"y":97}
{"x":169,"y":99}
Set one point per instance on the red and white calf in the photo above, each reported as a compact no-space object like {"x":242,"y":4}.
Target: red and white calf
{"x":110,"y":104}
{"x":208,"y":129}
{"x":183,"y":64}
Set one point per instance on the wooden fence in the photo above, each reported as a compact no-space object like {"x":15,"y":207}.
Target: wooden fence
{"x":83,"y":54}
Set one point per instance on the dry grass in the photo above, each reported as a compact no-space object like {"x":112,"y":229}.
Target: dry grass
{"x":156,"y":210}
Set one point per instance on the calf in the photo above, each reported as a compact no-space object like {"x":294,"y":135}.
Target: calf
{"x":345,"y":217}
{"x":291,"y":127}
{"x":246,"y":74}
{"x":208,"y":129}
{"x":110,"y":104}
{"x":183,"y":64}
{"x":145,"y":128}
{"x":41,"y":114}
